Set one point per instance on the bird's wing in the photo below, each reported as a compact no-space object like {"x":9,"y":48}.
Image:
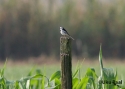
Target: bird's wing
{"x":65,"y":31}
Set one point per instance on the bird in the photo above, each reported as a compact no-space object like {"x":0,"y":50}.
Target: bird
{"x":64,"y":32}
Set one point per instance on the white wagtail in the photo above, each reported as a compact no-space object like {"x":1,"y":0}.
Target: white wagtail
{"x":64,"y":32}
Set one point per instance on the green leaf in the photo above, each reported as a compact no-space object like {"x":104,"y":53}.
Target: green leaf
{"x":38,"y":76}
{"x":57,"y":83}
{"x":16,"y":85}
{"x":92,"y":76}
{"x":100,"y":58}
{"x":75,"y":82}
{"x":77,"y":71}
{"x":109,"y":74}
{"x":57,"y":75}
{"x":43,"y":83}
{"x":2,"y":70}
{"x":83,"y":83}
{"x":31,"y":71}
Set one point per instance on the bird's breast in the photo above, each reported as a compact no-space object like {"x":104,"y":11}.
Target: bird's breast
{"x":62,"y":32}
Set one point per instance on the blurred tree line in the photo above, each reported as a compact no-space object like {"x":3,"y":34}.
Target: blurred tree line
{"x":31,"y":27}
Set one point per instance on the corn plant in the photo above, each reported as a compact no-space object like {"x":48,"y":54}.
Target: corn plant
{"x":107,"y":79}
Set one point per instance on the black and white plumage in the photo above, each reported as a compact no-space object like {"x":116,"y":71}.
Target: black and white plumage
{"x":64,"y":32}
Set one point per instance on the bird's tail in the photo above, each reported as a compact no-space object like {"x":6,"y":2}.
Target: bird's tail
{"x":71,"y":37}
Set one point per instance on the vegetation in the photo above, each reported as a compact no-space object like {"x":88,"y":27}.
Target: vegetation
{"x":31,"y":27}
{"x":107,"y":80}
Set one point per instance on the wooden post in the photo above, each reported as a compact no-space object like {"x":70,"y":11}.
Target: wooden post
{"x":66,"y":63}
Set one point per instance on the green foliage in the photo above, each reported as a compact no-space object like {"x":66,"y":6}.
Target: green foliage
{"x":107,"y":80}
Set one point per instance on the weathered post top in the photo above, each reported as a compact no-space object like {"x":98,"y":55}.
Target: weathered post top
{"x":66,"y":63}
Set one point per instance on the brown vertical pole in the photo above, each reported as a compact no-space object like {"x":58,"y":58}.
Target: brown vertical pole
{"x":66,"y":63}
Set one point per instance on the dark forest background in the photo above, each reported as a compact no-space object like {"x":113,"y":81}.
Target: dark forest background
{"x":31,"y":27}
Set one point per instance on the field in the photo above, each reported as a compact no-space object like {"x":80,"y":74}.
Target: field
{"x":87,"y":74}
{"x":16,"y":70}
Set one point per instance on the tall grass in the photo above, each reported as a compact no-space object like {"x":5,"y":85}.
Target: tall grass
{"x":107,"y":80}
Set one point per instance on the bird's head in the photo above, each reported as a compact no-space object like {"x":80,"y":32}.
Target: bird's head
{"x":61,"y":28}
